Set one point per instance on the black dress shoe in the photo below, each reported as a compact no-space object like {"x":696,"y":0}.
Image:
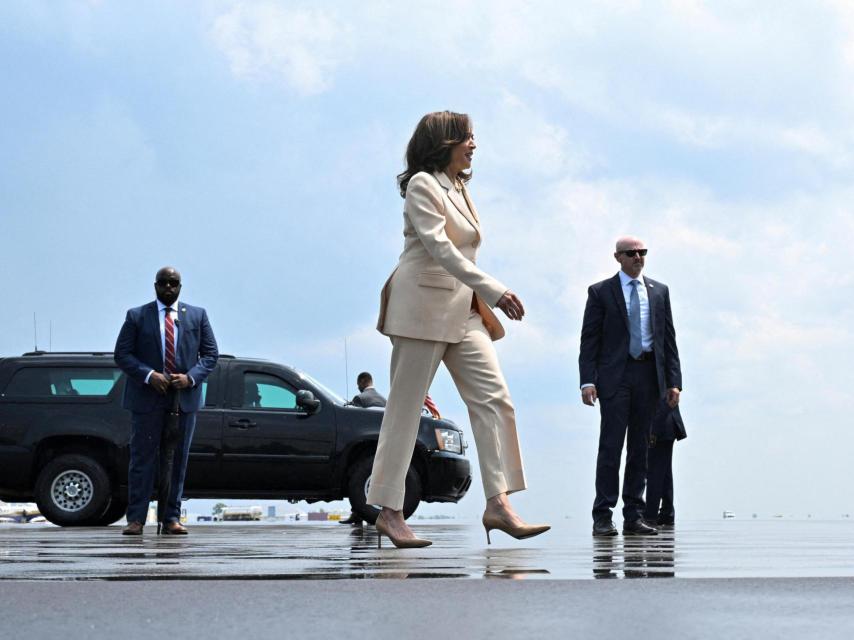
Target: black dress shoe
{"x":353,"y":519}
{"x":638,"y":528}
{"x":666,"y":522}
{"x":172,"y":528}
{"x":604,"y":528}
{"x":132,"y":529}
{"x":650,"y":522}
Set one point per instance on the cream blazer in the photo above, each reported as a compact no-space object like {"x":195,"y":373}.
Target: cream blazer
{"x":429,"y":295}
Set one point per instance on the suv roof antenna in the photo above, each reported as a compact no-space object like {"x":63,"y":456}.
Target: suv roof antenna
{"x":35,"y":334}
{"x":346,"y":372}
{"x":50,"y":336}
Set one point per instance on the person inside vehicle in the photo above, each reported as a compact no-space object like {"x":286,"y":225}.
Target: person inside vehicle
{"x":251,"y":396}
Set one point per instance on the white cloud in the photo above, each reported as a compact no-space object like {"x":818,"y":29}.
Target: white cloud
{"x":745,"y":133}
{"x":268,"y":40}
{"x":524,"y":141}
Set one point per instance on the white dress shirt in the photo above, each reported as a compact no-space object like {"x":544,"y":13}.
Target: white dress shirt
{"x":646,"y":324}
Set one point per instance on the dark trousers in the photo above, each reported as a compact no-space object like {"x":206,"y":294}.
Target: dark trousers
{"x":659,"y":483}
{"x":144,"y":454}
{"x":626,"y":416}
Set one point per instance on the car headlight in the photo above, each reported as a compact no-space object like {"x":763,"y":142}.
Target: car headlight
{"x":449,"y":440}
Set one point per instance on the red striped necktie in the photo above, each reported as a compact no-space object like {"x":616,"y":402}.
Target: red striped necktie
{"x":169,"y":327}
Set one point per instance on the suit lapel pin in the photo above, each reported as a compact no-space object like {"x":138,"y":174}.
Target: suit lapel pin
{"x":183,"y":309}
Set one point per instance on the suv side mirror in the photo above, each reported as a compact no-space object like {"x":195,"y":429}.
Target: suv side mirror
{"x":307,"y":401}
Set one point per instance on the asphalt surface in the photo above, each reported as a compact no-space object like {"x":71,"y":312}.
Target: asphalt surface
{"x":718,"y":579}
{"x":444,"y":608}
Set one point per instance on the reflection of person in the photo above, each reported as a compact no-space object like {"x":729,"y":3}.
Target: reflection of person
{"x":367,"y":396}
{"x":436,"y":307}
{"x":645,"y":559}
{"x":176,"y":339}
{"x":667,"y":426}
{"x":628,"y":359}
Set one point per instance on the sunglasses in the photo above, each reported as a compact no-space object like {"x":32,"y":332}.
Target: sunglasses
{"x":174,"y":283}
{"x":631,"y":253}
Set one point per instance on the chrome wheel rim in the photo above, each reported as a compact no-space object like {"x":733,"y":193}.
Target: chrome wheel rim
{"x":72,"y":490}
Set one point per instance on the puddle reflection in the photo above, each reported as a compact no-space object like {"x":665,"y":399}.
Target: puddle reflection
{"x":513,"y":564}
{"x":331,"y":551}
{"x":634,"y":557}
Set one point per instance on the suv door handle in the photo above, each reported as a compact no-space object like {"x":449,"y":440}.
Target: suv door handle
{"x":243,"y":423}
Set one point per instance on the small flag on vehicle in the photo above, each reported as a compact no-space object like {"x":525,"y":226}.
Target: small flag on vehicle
{"x":432,"y":408}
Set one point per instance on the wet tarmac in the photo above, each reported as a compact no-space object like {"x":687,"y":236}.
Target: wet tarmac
{"x":300,"y":551}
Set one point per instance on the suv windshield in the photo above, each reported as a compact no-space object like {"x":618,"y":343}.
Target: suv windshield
{"x":334,"y":396}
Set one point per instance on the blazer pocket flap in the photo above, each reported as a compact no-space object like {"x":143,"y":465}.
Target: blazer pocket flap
{"x":438,"y":280}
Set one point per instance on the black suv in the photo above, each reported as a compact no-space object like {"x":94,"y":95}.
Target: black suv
{"x":266,"y":431}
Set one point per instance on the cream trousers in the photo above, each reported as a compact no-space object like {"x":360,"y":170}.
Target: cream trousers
{"x":473,"y":365}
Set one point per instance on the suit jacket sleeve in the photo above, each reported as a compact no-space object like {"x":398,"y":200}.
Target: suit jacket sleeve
{"x":591,"y":338}
{"x":208,"y":352}
{"x":672,"y":366}
{"x":424,"y":209}
{"x":124,"y":350}
{"x":357,"y":401}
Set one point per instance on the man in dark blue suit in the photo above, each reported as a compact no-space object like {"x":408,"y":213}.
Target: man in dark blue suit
{"x":164,"y":348}
{"x":628,"y":360}
{"x":667,"y":427}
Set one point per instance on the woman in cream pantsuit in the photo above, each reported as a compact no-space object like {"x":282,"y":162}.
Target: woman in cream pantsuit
{"x":436,"y":307}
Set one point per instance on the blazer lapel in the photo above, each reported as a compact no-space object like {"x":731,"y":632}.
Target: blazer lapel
{"x":457,"y":200}
{"x":472,"y":208}
{"x":154,"y":319}
{"x":650,"y":296}
{"x":620,"y":299}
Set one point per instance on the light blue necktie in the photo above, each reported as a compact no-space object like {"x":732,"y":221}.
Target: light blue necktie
{"x":635,"y":345}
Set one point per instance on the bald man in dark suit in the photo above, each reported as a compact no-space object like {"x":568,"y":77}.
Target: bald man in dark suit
{"x":628,"y":360}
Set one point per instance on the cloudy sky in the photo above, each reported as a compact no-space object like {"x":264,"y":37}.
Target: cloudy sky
{"x":254,"y":145}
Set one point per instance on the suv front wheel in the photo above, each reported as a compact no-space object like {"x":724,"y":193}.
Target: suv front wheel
{"x":115,"y":512}
{"x":73,"y":490}
{"x":359,"y":481}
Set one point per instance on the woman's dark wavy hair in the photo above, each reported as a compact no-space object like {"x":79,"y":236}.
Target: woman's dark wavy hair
{"x":429,"y":148}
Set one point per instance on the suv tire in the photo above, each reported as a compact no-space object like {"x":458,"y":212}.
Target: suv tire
{"x":358,"y":479}
{"x":73,"y":490}
{"x":115,"y":511}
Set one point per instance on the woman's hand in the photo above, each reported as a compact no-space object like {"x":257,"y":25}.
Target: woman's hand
{"x":511,"y":306}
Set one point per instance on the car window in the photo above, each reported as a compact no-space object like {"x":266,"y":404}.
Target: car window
{"x":263,"y":391}
{"x":62,"y":381}
{"x":211,"y":387}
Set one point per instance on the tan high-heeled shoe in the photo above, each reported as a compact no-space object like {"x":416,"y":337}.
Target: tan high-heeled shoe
{"x":400,"y":543}
{"x":520,"y":532}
